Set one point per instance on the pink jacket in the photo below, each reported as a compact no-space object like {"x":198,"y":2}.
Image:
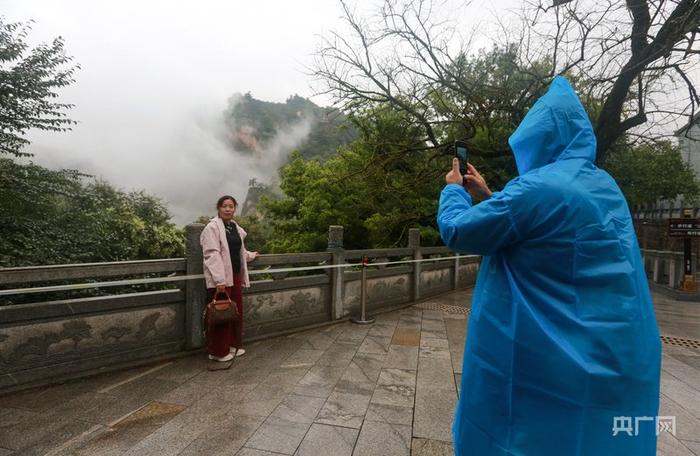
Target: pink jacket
{"x":217,"y":258}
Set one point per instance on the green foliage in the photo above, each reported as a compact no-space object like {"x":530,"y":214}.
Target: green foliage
{"x":370,"y":188}
{"x":258,"y":232}
{"x":390,"y":178}
{"x":257,"y":122}
{"x":29,"y":78}
{"x":650,"y":172}
{"x":54,"y":217}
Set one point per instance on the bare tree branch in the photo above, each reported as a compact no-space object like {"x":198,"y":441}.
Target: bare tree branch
{"x":622,"y":56}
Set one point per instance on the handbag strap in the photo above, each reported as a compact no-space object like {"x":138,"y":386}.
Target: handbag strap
{"x":219,"y":293}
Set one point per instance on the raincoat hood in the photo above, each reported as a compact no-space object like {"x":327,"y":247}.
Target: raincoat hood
{"x":556,"y":128}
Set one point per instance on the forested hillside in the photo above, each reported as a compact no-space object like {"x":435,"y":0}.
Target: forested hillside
{"x":254,"y":123}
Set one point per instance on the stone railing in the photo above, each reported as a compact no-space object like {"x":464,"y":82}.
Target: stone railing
{"x":666,"y":268}
{"x":69,"y":336}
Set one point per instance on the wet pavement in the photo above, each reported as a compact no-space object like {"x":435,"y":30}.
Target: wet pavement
{"x":384,"y":389}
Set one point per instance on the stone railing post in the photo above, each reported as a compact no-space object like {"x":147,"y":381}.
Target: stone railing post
{"x":414,"y":243}
{"x":335,"y":247}
{"x":195,"y":290}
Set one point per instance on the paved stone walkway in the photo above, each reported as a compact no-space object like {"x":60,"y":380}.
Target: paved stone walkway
{"x":385,"y":389}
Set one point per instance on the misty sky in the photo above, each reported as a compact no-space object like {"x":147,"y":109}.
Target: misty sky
{"x":156,"y":76}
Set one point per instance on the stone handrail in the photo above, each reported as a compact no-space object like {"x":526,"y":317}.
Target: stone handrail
{"x":61,"y":337}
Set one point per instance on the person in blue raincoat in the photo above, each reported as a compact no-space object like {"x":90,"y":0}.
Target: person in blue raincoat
{"x":563,"y":352}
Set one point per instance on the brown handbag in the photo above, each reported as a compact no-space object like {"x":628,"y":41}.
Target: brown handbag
{"x":221,"y":310}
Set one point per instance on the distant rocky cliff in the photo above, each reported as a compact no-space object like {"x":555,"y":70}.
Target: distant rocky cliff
{"x":255,"y":123}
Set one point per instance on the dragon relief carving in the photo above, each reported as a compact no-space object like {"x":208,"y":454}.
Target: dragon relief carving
{"x":115,"y":333}
{"x":382,"y":289}
{"x":387,"y":290}
{"x":38,"y":346}
{"x":302,"y":303}
{"x":148,"y":325}
{"x":76,"y":331}
{"x":466,"y":273}
{"x":254,"y":312}
{"x":436,"y":280}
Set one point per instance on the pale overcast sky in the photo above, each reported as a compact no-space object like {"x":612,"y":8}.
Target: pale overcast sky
{"x":155,"y":78}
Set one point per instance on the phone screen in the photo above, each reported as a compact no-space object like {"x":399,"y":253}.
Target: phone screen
{"x":462,"y":155}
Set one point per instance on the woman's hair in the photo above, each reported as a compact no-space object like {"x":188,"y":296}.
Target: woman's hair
{"x":221,"y":200}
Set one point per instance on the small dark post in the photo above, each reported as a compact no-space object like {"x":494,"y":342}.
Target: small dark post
{"x":195,"y":290}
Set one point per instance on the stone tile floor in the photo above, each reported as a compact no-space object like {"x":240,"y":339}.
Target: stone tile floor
{"x":385,"y":389}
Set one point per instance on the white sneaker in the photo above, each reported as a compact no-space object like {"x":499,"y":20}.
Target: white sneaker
{"x":239,"y":352}
{"x":221,"y":359}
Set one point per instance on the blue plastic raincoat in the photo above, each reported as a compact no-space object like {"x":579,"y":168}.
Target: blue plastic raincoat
{"x":562,"y":336}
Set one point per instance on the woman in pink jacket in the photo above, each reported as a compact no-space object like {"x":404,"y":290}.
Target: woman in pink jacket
{"x":225,"y":269}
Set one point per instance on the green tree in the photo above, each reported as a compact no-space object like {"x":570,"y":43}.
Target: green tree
{"x":650,"y":172}
{"x":258,"y":232}
{"x":53,"y":217}
{"x":29,"y":80}
{"x":629,"y":55}
{"x":370,"y":188}
{"x":376,"y":191}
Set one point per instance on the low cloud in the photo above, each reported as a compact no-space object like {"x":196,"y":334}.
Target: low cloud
{"x":186,"y":159}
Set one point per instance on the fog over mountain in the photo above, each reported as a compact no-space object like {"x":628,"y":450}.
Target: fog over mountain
{"x":155,"y":81}
{"x":156,"y":77}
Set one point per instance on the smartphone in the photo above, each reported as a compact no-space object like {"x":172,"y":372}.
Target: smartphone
{"x":463,"y":156}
